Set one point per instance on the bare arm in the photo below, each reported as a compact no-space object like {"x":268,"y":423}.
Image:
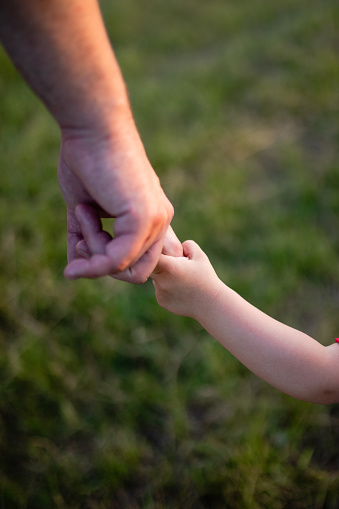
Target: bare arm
{"x":62,"y":49}
{"x":287,"y":359}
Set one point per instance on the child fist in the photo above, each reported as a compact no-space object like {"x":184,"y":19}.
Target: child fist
{"x":185,"y":285}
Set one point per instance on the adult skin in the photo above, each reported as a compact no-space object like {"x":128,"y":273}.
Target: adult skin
{"x":62,"y":50}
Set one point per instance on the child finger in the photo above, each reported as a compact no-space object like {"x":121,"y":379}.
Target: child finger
{"x":190,"y":248}
{"x":165,"y":264}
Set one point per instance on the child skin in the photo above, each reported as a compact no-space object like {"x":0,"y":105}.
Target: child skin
{"x":186,"y":284}
{"x":286,"y":358}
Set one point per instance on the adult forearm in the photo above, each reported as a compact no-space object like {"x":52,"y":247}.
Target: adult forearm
{"x":62,"y":49}
{"x":287,"y":359}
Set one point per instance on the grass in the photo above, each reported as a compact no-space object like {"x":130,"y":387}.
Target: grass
{"x":106,"y":400}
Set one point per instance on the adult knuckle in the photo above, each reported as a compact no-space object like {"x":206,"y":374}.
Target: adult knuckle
{"x":161,"y":218}
{"x":119,"y":267}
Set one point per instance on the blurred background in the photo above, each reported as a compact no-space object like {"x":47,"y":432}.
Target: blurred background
{"x":106,"y":400}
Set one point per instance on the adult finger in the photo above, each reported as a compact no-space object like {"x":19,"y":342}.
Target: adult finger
{"x":172,"y":245}
{"x":96,"y":238}
{"x":143,"y":268}
{"x":129,"y":244}
{"x":83,"y":249}
{"x":81,"y":262}
{"x":105,"y":264}
{"x":140,"y":271}
{"x":74,"y":235}
{"x":137,"y":273}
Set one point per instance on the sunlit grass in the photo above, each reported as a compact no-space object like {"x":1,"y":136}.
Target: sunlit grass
{"x":108,"y":401}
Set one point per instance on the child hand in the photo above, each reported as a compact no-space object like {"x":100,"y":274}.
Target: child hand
{"x":185,"y":285}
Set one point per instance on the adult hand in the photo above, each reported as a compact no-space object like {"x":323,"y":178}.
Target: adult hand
{"x":110,"y":173}
{"x":91,"y":225}
{"x":65,"y":55}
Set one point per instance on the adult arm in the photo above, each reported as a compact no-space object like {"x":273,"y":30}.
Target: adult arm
{"x":62,"y":50}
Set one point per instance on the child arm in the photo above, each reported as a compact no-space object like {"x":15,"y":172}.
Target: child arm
{"x":284,"y":357}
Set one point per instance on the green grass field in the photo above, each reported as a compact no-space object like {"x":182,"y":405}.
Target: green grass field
{"x":106,"y":400}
